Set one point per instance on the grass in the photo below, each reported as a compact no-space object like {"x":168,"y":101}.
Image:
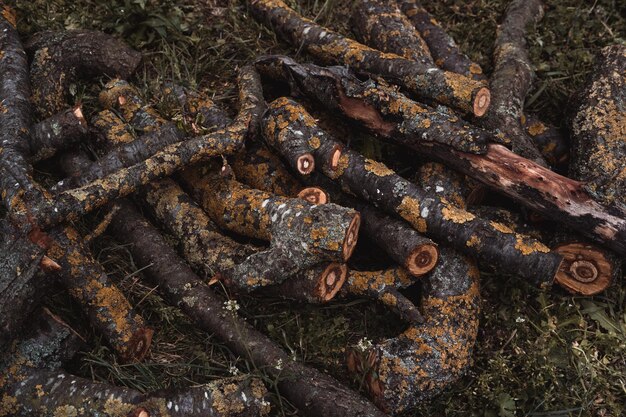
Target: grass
{"x":538,"y":353}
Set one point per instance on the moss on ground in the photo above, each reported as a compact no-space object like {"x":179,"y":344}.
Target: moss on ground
{"x":538,"y":353}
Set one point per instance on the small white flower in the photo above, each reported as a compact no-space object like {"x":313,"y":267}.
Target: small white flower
{"x":265,"y":403}
{"x":279,"y":364}
{"x":364,"y":344}
{"x":233,"y":370}
{"x":231,"y":305}
{"x":520,"y":320}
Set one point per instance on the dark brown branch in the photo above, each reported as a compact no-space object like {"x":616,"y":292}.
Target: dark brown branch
{"x":382,"y":25}
{"x":554,"y":196}
{"x":442,"y":47}
{"x":427,"y":81}
{"x":550,"y":140}
{"x":61,"y":57}
{"x":314,"y":393}
{"x":57,"y":132}
{"x":513,"y":76}
{"x":429,"y":213}
{"x":405,"y":370}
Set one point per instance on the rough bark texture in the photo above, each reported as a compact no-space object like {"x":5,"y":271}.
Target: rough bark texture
{"x":442,"y":47}
{"x":429,"y":213}
{"x":314,"y":393}
{"x":550,"y":140}
{"x":513,"y":76}
{"x":57,"y":132}
{"x":259,"y":168}
{"x":292,"y":225}
{"x":382,"y":25}
{"x":435,"y":177}
{"x":108,"y":309}
{"x":34,"y":385}
{"x":554,"y":196}
{"x":403,"y":371}
{"x":427,"y":81}
{"x":379,"y":107}
{"x":383,"y":286}
{"x":598,"y":128}
{"x":401,"y":242}
{"x":72,"y":204}
{"x":21,"y":285}
{"x":59,"y":58}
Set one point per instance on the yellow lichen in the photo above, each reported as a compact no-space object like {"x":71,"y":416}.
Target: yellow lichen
{"x":528,"y":246}
{"x":377,"y":168}
{"x":455,"y":214}
{"x":500,"y":227}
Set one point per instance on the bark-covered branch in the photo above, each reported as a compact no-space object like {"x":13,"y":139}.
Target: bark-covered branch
{"x":314,"y":393}
{"x":442,"y":47}
{"x":60,"y":58}
{"x":429,"y":213}
{"x":554,"y":196}
{"x":427,"y":81}
{"x":57,"y":132}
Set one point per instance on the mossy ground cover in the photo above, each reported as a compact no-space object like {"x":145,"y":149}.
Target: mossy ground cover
{"x":538,"y":353}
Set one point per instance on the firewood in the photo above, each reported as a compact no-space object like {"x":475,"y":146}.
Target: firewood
{"x":108,"y":309}
{"x":293,"y":225}
{"x":550,"y":140}
{"x":383,"y":286}
{"x":57,"y":132}
{"x":416,"y":365}
{"x":401,"y":242}
{"x":34,"y":384}
{"x":550,"y":194}
{"x":427,"y":212}
{"x":72,"y":204}
{"x":435,"y":177}
{"x":427,"y":81}
{"x":311,"y":391}
{"x":60,"y":58}
{"x":442,"y":47}
{"x":382,"y":25}
{"x":513,"y":76}
{"x":598,"y":128}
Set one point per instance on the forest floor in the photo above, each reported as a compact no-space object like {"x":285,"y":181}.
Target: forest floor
{"x":539,"y":353}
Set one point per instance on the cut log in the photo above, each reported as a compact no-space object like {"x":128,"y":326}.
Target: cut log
{"x":429,"y":213}
{"x":316,"y":285}
{"x":57,"y":132}
{"x":442,"y":47}
{"x":60,"y":58}
{"x":598,"y":128}
{"x":383,"y":286}
{"x":324,"y":232}
{"x":554,"y":196}
{"x":512,"y":78}
{"x":401,"y":242}
{"x":427,"y":81}
{"x":72,"y":204}
{"x":418,"y":364}
{"x":108,"y":309}
{"x":33,"y":384}
{"x":313,"y":392}
{"x":382,"y":25}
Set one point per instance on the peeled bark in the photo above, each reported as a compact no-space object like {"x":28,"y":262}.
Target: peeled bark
{"x":554,"y":196}
{"x":512,"y":78}
{"x":442,"y":47}
{"x":313,"y":392}
{"x":382,"y":25}
{"x":598,"y":128}
{"x":418,"y":364}
{"x":57,"y":132}
{"x":383,"y":286}
{"x":429,"y":213}
{"x":427,"y":81}
{"x":60,"y":58}
{"x":34,"y":385}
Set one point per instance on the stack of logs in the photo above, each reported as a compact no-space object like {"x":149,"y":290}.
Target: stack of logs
{"x":303,"y":197}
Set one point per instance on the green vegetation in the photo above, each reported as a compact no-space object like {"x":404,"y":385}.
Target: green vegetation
{"x":538,"y":353}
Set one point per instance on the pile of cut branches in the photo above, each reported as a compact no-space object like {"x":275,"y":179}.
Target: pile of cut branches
{"x":274,"y":202}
